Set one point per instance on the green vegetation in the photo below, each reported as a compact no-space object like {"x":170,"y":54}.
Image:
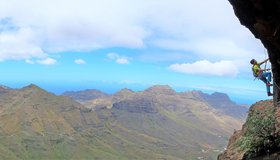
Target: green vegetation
{"x":35,"y":124}
{"x":259,"y":132}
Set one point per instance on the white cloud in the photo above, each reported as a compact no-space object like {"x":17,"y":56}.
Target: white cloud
{"x":118,"y":59}
{"x":122,"y":60}
{"x":28,"y":61}
{"x":81,"y":24}
{"x":19,"y":45}
{"x":80,"y":61}
{"x":47,"y":61}
{"x":209,"y":30}
{"x":204,"y":67}
{"x":113,"y":56}
{"x":161,"y":56}
{"x":211,"y":49}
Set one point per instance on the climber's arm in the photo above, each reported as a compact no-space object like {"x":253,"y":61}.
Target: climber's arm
{"x":264,"y":61}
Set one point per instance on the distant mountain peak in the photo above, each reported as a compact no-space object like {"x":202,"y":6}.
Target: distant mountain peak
{"x":222,"y":102}
{"x":85,"y":95}
{"x":160,"y":89}
{"x":87,"y":91}
{"x":32,"y":87}
{"x":220,"y":96}
{"x":4,"y":87}
{"x":196,"y":92}
{"x":125,"y":90}
{"x":217,"y":96}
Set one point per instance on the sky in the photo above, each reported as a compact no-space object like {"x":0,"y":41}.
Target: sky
{"x":65,"y":45}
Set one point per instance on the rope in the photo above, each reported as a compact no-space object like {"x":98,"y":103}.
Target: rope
{"x":276,"y":85}
{"x":265,"y":53}
{"x":278,"y":102}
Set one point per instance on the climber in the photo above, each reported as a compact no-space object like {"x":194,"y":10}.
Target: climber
{"x":262,"y":74}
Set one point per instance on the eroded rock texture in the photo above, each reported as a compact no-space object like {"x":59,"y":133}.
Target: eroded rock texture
{"x":262,"y":18}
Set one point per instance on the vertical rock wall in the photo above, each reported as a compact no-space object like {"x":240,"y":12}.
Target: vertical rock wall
{"x":262,"y":18}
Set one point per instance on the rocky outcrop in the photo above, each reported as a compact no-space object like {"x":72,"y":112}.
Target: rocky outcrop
{"x":259,"y":138}
{"x":260,"y":135}
{"x":262,"y":18}
{"x":138,"y":105}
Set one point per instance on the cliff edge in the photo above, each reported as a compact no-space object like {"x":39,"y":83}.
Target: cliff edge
{"x":262,"y":18}
{"x":259,"y":138}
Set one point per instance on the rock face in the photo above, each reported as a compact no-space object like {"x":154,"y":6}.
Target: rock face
{"x":260,"y":135}
{"x":259,"y":138}
{"x":262,"y":18}
{"x":138,"y":105}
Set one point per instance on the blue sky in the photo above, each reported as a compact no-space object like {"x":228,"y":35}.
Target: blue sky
{"x":79,"y":44}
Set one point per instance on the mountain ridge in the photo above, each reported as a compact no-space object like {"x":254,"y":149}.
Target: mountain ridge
{"x":217,"y":100}
{"x":35,"y":123}
{"x":85,"y":95}
{"x":160,"y":89}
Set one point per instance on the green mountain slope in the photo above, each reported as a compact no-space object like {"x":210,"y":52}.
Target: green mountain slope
{"x":182,"y":125}
{"x":35,"y":124}
{"x":151,"y":124}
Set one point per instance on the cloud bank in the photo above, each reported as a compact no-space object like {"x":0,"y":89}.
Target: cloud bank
{"x":208,"y":30}
{"x":47,"y":61}
{"x":222,"y":68}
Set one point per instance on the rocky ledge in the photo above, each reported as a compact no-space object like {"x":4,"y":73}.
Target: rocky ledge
{"x":259,"y":138}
